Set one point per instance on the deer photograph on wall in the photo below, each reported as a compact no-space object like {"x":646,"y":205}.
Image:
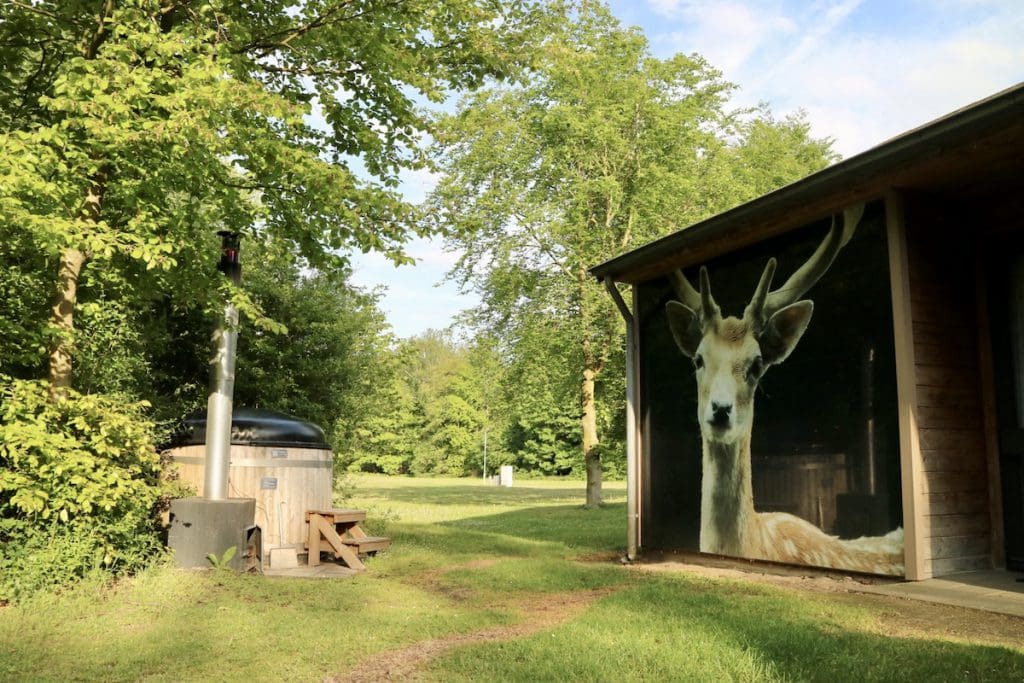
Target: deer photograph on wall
{"x":732,"y":359}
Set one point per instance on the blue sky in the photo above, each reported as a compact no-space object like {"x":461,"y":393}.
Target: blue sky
{"x":863,"y":70}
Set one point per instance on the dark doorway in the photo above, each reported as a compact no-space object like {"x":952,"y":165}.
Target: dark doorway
{"x":1006,"y":306}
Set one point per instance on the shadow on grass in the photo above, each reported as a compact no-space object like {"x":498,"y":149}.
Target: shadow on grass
{"x":553,"y":530}
{"x":469,"y":493}
{"x":688,"y":629}
{"x":179,"y":626}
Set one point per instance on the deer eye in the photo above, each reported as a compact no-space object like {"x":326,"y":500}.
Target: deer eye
{"x":698,"y":361}
{"x":755,"y":369}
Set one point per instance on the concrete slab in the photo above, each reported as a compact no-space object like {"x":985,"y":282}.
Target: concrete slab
{"x":324,"y":570}
{"x":284,"y":558}
{"x":996,"y":591}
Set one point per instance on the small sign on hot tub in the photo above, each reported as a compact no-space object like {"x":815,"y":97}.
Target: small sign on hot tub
{"x":268,"y":483}
{"x":279,"y":453}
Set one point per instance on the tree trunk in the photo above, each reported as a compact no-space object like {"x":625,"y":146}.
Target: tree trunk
{"x":62,"y":313}
{"x":63,"y":318}
{"x":591,"y":454}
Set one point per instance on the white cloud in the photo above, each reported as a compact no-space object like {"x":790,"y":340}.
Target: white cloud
{"x":727,"y":33}
{"x":864,"y":70}
{"x":862,"y":91}
{"x":417,"y":184}
{"x":415,"y":297}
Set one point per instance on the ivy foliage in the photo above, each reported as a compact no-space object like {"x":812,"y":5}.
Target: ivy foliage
{"x":81,"y":474}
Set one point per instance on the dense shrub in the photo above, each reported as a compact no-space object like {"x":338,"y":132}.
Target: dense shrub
{"x":79,"y":485}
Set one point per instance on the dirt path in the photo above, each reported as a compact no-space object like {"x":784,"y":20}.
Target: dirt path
{"x":543,"y":612}
{"x":898,"y":616}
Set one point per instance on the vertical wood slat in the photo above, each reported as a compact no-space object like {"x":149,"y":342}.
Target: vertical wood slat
{"x":914,"y":503}
{"x":989,"y":420}
{"x":944,"y":306}
{"x":637,"y":432}
{"x":280,"y":512}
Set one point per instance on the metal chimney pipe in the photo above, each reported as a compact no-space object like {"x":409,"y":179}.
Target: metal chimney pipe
{"x":222,"y":380}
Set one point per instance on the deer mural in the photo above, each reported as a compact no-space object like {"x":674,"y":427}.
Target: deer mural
{"x":730,"y":356}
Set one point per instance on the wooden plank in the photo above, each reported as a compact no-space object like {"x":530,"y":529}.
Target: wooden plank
{"x":906,"y":386}
{"x":314,"y":541}
{"x":929,"y":376}
{"x":943,"y":547}
{"x":945,"y":460}
{"x":943,"y":482}
{"x":341,"y":550}
{"x":950,"y":397}
{"x":949,"y":417}
{"x":952,"y":439}
{"x":954,"y":502}
{"x":339,"y":516}
{"x":953,"y":565}
{"x":945,"y":356}
{"x":960,"y":337}
{"x":958,"y":525}
{"x":937,"y":308}
{"x":368,"y":544}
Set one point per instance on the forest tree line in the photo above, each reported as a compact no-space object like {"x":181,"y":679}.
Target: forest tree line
{"x":132,"y":131}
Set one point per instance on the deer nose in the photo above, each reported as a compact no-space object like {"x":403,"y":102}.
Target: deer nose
{"x":721,"y":414}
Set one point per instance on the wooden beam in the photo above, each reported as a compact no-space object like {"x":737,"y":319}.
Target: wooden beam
{"x":914,"y":502}
{"x":341,"y":550}
{"x":314,"y":540}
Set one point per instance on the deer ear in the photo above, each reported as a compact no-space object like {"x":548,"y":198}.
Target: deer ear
{"x":685,"y":326}
{"x":783,"y":330}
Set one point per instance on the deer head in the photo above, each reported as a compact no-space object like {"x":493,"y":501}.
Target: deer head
{"x":730,"y":355}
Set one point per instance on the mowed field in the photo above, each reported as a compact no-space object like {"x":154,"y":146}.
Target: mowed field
{"x":501,"y":584}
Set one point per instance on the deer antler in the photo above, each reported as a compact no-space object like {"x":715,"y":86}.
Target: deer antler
{"x":755,"y":311}
{"x":764,"y":304}
{"x":687,"y":295}
{"x":700,"y":302}
{"x":810,"y":272}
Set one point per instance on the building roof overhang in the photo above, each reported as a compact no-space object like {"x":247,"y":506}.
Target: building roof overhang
{"x":975,"y":153}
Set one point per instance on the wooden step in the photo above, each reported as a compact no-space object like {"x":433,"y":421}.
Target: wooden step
{"x":368,"y":544}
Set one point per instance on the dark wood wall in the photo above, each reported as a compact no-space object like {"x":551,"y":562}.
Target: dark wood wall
{"x":953,"y":490}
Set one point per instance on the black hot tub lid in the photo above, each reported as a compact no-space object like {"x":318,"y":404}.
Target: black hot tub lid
{"x":255,"y":427}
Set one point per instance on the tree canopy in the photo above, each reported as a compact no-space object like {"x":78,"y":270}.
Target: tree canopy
{"x":603,"y":148}
{"x":134,"y":129}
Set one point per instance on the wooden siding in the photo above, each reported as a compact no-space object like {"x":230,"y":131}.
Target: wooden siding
{"x":952,"y":489}
{"x":297,"y":480}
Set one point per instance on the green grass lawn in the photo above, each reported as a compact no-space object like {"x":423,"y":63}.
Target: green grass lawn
{"x":486,"y":583}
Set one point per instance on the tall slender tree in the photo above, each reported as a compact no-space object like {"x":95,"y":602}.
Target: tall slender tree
{"x":603,"y":148}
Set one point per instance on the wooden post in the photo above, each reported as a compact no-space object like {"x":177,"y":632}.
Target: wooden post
{"x":914,"y":502}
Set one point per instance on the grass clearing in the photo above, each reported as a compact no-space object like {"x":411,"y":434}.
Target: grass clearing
{"x":484,"y":582}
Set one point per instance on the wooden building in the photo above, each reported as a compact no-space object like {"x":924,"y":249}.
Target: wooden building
{"x":902,"y":405}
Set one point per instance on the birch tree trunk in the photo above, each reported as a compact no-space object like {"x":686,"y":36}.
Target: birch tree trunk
{"x":591,"y":454}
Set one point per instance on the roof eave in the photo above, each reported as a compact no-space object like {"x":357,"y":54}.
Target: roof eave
{"x":850,"y":180}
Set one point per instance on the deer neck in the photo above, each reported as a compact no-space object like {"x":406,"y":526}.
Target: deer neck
{"x":727,"y":500}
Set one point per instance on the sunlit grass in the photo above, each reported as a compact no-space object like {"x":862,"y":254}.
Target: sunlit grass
{"x":469,"y":557}
{"x":682,"y":628}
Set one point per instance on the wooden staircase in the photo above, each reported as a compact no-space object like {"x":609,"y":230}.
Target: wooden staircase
{"x":338,"y":531}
